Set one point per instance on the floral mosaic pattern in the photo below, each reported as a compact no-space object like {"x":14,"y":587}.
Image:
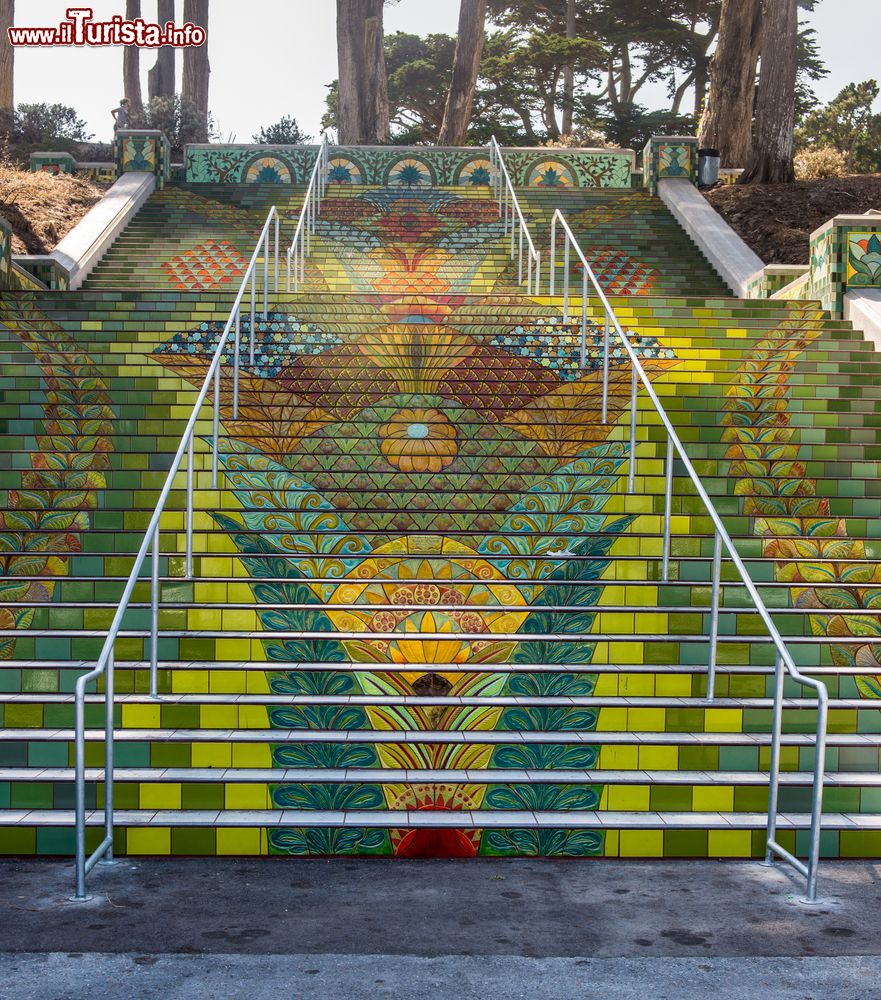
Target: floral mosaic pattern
{"x":349,"y":459}
{"x":863,"y":259}
{"x":224,"y":164}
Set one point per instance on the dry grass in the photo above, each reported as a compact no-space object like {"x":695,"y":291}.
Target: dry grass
{"x":41,"y":208}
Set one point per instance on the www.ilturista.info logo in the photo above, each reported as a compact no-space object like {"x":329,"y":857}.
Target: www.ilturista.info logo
{"x":80,"y":28}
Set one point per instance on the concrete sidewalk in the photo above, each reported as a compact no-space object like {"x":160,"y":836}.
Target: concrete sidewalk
{"x":491,"y":930}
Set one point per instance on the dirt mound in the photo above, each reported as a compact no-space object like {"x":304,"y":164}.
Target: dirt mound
{"x":776,"y":220}
{"x":41,"y":208}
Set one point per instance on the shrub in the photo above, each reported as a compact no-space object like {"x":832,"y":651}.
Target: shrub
{"x":819,"y":163}
{"x":285,"y":132}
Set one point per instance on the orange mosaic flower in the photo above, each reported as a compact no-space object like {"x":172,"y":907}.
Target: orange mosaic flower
{"x":419,"y":441}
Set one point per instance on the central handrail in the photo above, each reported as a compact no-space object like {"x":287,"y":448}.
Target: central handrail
{"x":301,"y":244}
{"x":105,"y":663}
{"x":784,"y":660}
{"x":509,"y":209}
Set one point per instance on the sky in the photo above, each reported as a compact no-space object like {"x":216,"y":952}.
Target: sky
{"x":278,"y":58}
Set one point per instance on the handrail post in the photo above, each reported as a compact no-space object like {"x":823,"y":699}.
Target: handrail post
{"x":553,"y":277}
{"x":253,"y":329}
{"x":606,"y":371}
{"x":817,"y":799}
{"x":80,"y":789}
{"x":189,"y":526}
{"x":290,"y":250}
{"x":109,"y":705}
{"x":154,"y":617}
{"x":714,"y":616}
{"x":236,"y":364}
{"x":277,"y":224}
{"x":520,"y":259}
{"x":566,"y":279}
{"x":266,"y":275}
{"x":774,"y":764}
{"x":668,"y":509}
{"x":584,"y":321}
{"x":631,"y":483}
{"x":215,"y":450}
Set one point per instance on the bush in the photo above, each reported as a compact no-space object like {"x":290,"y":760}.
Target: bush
{"x":285,"y":132}
{"x":33,"y":127}
{"x":820,"y":163}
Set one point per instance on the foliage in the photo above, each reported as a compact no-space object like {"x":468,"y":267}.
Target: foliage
{"x":178,"y":118}
{"x":285,"y":132}
{"x":849,"y":125}
{"x":33,"y":127}
{"x":820,"y":163}
{"x":48,"y":123}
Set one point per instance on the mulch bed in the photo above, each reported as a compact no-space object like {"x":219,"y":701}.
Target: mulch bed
{"x":776,"y":220}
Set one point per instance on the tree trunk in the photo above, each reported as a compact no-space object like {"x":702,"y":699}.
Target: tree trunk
{"x":466,"y":65}
{"x":160,"y":79}
{"x":375,"y":123}
{"x":362,"y":110}
{"x":569,"y":74}
{"x":7,"y":63}
{"x":775,"y":108}
{"x":197,"y":68}
{"x":131,"y":65}
{"x":727,"y":123}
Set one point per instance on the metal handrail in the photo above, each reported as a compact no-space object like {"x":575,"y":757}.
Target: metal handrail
{"x":105,"y":663}
{"x":301,"y":245}
{"x":509,"y":209}
{"x":784,"y":661}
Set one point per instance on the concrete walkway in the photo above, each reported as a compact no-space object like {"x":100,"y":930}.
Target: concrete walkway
{"x":492,"y":930}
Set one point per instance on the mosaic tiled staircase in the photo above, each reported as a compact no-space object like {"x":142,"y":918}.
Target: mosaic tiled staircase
{"x":427,"y":617}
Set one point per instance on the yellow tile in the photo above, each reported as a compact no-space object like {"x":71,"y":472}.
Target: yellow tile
{"x":723,"y":720}
{"x":219,"y":717}
{"x":647,"y":720}
{"x":140,"y":717}
{"x":160,"y":796}
{"x":641,"y":844}
{"x":212,"y":755}
{"x":628,"y":798}
{"x":612,"y":720}
{"x":673,"y":685}
{"x":228,"y":681}
{"x":713,"y":798}
{"x":257,"y":682}
{"x":636,"y":685}
{"x":209,"y":593}
{"x":246,"y":796}
{"x":610,"y":845}
{"x":239,"y":621}
{"x":729,"y":844}
{"x":251,"y":755}
{"x":658,"y":758}
{"x":148,"y":840}
{"x":189,"y":682}
{"x":619,"y":758}
{"x":615,"y":622}
{"x":204,"y":618}
{"x":626,"y":652}
{"x":253,"y":717}
{"x":233,"y":650}
{"x":641,"y":595}
{"x":606,"y":686}
{"x":233,"y":841}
